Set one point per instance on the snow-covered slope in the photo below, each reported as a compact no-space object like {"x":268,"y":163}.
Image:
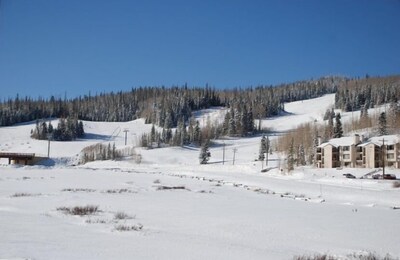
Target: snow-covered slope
{"x":223,"y":210}
{"x":17,"y":138}
{"x":300,"y":112}
{"x":213,"y":116}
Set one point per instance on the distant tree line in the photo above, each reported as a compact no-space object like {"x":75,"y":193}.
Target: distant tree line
{"x":67,"y":130}
{"x":166,"y":107}
{"x":362,"y":94}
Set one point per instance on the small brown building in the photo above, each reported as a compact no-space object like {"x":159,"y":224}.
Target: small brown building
{"x":19,"y":158}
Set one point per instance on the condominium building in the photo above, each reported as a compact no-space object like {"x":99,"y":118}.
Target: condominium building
{"x":356,"y":152}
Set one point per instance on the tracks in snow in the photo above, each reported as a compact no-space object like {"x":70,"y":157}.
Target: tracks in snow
{"x":221,"y":182}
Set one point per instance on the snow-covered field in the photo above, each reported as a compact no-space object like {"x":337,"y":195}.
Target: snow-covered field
{"x":182,"y":210}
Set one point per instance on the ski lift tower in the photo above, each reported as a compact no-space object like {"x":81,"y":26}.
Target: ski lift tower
{"x":126,"y":134}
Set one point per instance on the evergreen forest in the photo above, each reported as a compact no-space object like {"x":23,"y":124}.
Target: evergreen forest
{"x":164,"y":106}
{"x":172,"y":107}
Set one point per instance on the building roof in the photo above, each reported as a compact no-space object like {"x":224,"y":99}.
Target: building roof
{"x":326,"y":144}
{"x":336,"y":142}
{"x":369,"y":142}
{"x":349,"y":140}
{"x":389,"y":139}
{"x":17,"y":155}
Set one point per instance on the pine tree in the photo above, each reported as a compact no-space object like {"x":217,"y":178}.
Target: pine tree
{"x":163,"y":135}
{"x":191,"y":130}
{"x":364,"y":112}
{"x":113,"y":152}
{"x":144,"y":140}
{"x":290,"y":157}
{"x":70,"y":132}
{"x":243,"y":122}
{"x":176,"y":138}
{"x":330,"y":129}
{"x":232,"y":127}
{"x":250,"y":122}
{"x":109,"y":152}
{"x":51,"y":129}
{"x":301,"y":158}
{"x":205,"y":154}
{"x":62,"y":130}
{"x":43,"y":131}
{"x":36,"y":131}
{"x":80,"y":131}
{"x":393,"y":116}
{"x":168,"y":136}
{"x":238,"y":122}
{"x":268,"y":150}
{"x":262,"y":151}
{"x":268,"y":146}
{"x":382,"y":125}
{"x":149,"y":143}
{"x":158,"y":140}
{"x":168,"y":123}
{"x":315,"y":142}
{"x":338,"y":130}
{"x":153,"y":133}
{"x":103,"y":153}
{"x":197,"y":133}
{"x":182,"y":132}
{"x":225,"y":126}
{"x":327,"y":114}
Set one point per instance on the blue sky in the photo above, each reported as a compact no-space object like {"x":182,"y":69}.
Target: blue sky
{"x":53,"y":47}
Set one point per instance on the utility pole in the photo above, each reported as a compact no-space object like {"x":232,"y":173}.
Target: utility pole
{"x":234,"y":155}
{"x":126,"y":134}
{"x":48,"y":145}
{"x":48,"y":149}
{"x":262,"y":165}
{"x":267,"y":152}
{"x":223,"y":153}
{"x":383,"y":157}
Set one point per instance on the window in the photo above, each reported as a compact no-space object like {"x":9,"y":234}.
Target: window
{"x":346,"y":148}
{"x":390,"y":147}
{"x":346,"y":156}
{"x":390,"y":156}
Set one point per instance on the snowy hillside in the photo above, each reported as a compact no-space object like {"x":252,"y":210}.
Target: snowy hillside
{"x":175,"y":208}
{"x":300,"y":112}
{"x":17,"y":138}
